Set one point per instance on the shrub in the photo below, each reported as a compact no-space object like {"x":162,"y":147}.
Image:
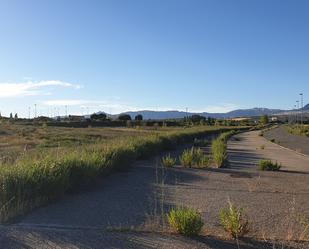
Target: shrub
{"x":186,"y":221}
{"x":186,"y":158}
{"x":269,"y":165}
{"x":168,"y":161}
{"x":272,"y":140}
{"x":219,"y":152}
{"x":233,"y":221}
{"x":193,"y":157}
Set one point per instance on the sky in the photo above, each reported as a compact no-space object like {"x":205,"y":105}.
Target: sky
{"x":120,"y":55}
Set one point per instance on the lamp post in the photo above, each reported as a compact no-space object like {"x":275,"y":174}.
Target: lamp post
{"x":301,"y":110}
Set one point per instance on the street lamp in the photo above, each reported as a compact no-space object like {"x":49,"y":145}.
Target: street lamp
{"x":301,"y":110}
{"x":297,"y":101}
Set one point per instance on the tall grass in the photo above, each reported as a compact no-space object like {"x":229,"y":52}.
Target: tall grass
{"x":219,"y":148}
{"x":185,"y":221}
{"x":194,"y":157}
{"x":35,"y":180}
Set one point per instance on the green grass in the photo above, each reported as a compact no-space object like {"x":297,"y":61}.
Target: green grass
{"x":302,"y":130}
{"x":233,"y":221}
{"x":43,"y":175}
{"x":268,"y":165}
{"x":219,"y":148}
{"x":194,"y":157}
{"x":168,"y":161}
{"x":185,"y":221}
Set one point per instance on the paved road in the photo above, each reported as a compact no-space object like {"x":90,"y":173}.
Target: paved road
{"x":127,"y":199}
{"x":246,"y":149}
{"x":283,"y":137}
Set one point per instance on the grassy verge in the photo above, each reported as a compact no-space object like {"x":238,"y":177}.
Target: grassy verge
{"x":36,"y":180}
{"x":301,"y":130}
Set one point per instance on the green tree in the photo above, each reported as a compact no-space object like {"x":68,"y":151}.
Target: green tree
{"x":139,"y":117}
{"x":99,"y":117}
{"x":124,"y":117}
{"x":264,"y":119}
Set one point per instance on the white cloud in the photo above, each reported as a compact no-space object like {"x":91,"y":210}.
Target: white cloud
{"x":31,"y":88}
{"x":224,"y":107}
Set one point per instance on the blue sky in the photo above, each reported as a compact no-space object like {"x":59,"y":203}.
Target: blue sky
{"x":214,"y":55}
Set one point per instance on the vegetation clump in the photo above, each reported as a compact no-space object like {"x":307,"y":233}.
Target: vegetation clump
{"x":185,"y":221}
{"x":219,"y":152}
{"x":233,"y":221}
{"x":302,"y":130}
{"x":38,"y":177}
{"x":194,"y":157}
{"x":264,"y":120}
{"x":269,"y":165}
{"x":219,"y":148}
{"x":168,"y":161}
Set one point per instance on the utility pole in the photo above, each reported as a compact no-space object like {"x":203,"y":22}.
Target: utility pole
{"x":34,"y":110}
{"x":186,"y":114}
{"x":301,"y":110}
{"x":297,"y":112}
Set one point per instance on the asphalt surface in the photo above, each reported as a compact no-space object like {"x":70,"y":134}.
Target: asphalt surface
{"x":122,"y":212}
{"x":284,"y":138}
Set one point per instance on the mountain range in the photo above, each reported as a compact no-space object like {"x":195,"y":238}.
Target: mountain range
{"x":174,"y":114}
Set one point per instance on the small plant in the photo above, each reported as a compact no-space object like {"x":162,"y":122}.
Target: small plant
{"x":261,"y":134}
{"x":194,"y":157}
{"x":185,"y":221}
{"x":272,"y":140}
{"x":186,"y":158}
{"x":168,"y":161}
{"x":269,"y":165}
{"x":233,"y":221}
{"x":219,"y":153}
{"x":262,"y":147}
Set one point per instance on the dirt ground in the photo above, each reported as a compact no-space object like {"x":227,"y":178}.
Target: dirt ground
{"x":121,"y":212}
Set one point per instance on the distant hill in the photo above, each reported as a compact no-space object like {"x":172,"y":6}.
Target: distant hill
{"x":178,"y":114}
{"x":174,"y":114}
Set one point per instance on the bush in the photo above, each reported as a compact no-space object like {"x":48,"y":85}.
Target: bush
{"x":269,"y":165}
{"x":233,"y":221}
{"x":219,"y":148}
{"x":186,"y":221}
{"x":219,"y":152}
{"x":168,"y":161}
{"x":186,"y":158}
{"x":193,"y":157}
